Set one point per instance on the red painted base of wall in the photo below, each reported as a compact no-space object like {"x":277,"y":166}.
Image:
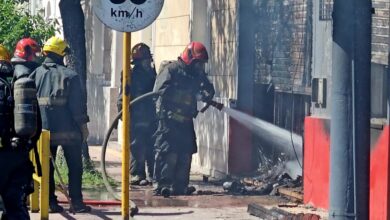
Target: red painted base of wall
{"x":379,"y":177}
{"x":316,"y":162}
{"x":316,"y":168}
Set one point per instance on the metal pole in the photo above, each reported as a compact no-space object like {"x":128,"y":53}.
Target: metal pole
{"x":361,"y":93}
{"x":341,"y":201}
{"x":126,"y":126}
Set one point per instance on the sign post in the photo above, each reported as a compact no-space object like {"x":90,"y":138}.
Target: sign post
{"x":126,"y":128}
{"x":127,"y":16}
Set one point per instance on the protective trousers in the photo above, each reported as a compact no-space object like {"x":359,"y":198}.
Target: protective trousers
{"x":141,"y":152}
{"x":72,"y":153}
{"x":17,"y":184}
{"x":172,"y":170}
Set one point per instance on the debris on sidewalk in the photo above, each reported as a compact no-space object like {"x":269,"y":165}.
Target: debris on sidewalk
{"x":272,"y":178}
{"x":269,"y":186}
{"x":293,"y":194}
{"x":278,"y":214}
{"x":288,"y":205}
{"x":264,"y":213}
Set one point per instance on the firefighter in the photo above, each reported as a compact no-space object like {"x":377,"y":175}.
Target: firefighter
{"x":25,"y":59}
{"x":64,"y":113}
{"x":16,"y":181}
{"x":179,"y":85}
{"x":142,"y":115}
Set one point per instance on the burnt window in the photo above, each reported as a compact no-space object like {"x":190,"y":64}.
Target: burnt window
{"x":326,"y":9}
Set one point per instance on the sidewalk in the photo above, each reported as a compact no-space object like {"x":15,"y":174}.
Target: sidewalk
{"x":212,"y":204}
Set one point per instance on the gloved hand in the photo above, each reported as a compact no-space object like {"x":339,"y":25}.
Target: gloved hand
{"x":206,"y":97}
{"x":84,"y":132}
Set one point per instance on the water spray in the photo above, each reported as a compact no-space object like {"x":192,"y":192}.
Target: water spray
{"x":270,"y":134}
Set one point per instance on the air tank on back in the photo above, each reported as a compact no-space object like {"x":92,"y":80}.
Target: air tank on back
{"x":25,"y":110}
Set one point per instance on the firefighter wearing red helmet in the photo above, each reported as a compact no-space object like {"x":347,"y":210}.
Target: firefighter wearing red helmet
{"x":142,"y":115}
{"x":25,"y":59}
{"x":179,"y":85}
{"x":16,"y":181}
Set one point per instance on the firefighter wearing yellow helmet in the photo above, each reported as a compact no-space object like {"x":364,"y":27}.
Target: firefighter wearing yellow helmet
{"x":6,"y":69}
{"x":64,"y":113}
{"x":56,"y":45}
{"x":4,"y":54}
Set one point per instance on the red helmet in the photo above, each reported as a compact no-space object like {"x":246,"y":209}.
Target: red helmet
{"x":140,"y":51}
{"x":194,"y":51}
{"x":26,"y":49}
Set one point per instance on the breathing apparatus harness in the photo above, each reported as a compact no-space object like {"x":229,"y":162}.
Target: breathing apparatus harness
{"x":19,"y":100}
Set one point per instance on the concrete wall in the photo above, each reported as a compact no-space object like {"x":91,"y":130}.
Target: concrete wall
{"x":102,"y":68}
{"x":172,"y":30}
{"x":322,"y":57}
{"x":212,"y":128}
{"x":322,"y":52}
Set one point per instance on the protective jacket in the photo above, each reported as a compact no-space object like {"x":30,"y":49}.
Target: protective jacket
{"x":16,"y":177}
{"x":22,"y":68}
{"x":179,"y":89}
{"x":142,"y":81}
{"x":60,"y":101}
{"x":6,"y":117}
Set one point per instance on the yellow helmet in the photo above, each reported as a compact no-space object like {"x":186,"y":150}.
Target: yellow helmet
{"x":4,"y":54}
{"x":56,"y":45}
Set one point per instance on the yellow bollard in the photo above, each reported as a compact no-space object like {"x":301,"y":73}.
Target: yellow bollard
{"x":39,"y":200}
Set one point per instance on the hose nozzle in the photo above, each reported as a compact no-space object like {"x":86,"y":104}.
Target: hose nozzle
{"x":215,"y":104}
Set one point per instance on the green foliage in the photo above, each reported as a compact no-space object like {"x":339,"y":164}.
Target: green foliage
{"x":92,"y":179}
{"x":16,"y":23}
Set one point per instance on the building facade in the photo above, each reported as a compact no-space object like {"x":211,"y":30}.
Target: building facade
{"x":260,"y":63}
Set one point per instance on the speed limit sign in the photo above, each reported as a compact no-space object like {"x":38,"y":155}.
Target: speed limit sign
{"x":127,"y":15}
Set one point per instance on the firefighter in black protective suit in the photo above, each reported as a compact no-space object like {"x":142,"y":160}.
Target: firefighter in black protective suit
{"x":64,"y":113}
{"x":16,"y":181}
{"x":180,"y":84}
{"x":143,"y":115}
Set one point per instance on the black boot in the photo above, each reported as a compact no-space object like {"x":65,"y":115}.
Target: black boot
{"x":190,"y":190}
{"x":166,"y":192}
{"x":54,"y":207}
{"x":80,"y":207}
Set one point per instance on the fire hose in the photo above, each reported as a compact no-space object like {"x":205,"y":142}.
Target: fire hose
{"x":105,"y":143}
{"x":114,"y":124}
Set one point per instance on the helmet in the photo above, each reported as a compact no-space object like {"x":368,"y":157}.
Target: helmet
{"x":56,"y":45}
{"x":194,"y":51}
{"x":140,"y":51}
{"x":26,"y":49}
{"x":6,"y":69}
{"x":4,"y":54}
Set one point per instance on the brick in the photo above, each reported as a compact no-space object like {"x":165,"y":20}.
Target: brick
{"x":380,"y":22}
{"x":380,"y":30}
{"x":380,"y":39}
{"x":379,"y":47}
